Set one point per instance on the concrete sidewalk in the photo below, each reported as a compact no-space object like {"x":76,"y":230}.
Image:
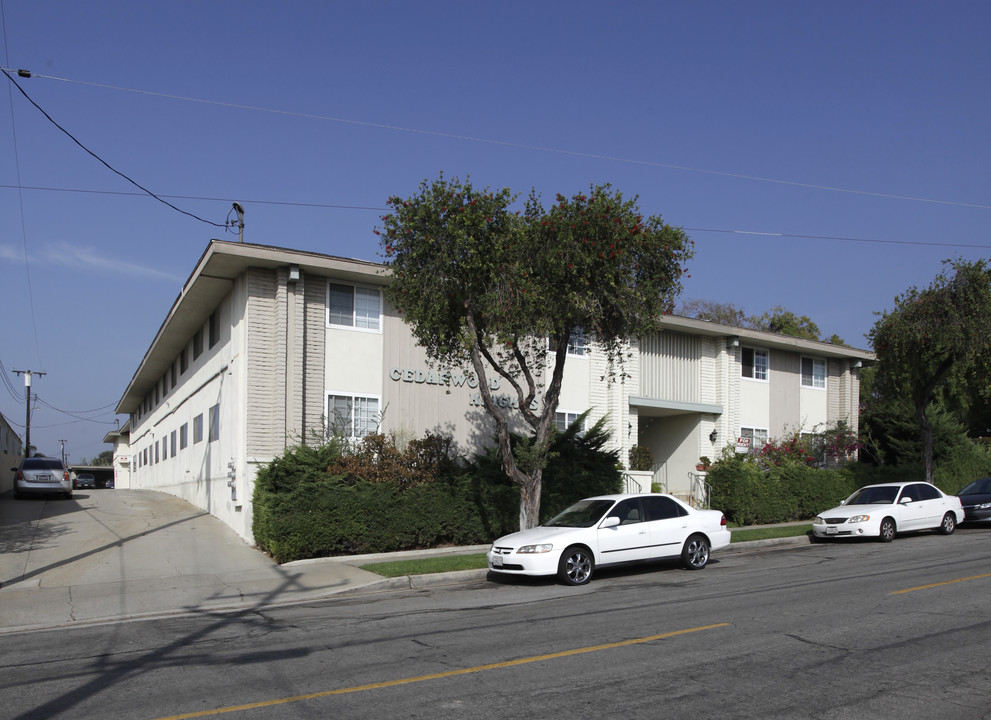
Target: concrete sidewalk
{"x":112,"y":555}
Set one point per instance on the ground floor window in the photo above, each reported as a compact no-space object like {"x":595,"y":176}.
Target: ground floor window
{"x":352,"y":415}
{"x":564,"y":420}
{"x":756,"y":436}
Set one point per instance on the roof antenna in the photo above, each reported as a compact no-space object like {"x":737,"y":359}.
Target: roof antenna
{"x":240,"y":220}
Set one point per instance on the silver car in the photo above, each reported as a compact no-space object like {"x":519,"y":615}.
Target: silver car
{"x":42,"y":476}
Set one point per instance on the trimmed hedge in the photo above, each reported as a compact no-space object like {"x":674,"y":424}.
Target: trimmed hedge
{"x":303,"y":511}
{"x":749,"y":495}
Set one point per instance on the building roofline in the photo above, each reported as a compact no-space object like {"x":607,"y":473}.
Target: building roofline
{"x":762,"y":338}
{"x":223,"y":261}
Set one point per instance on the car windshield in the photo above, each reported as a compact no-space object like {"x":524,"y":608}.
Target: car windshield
{"x":881,"y":495}
{"x":584,"y":513}
{"x":37,"y":463}
{"x":978,"y":487}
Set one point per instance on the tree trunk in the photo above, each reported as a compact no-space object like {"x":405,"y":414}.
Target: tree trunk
{"x":530,"y":502}
{"x":926,"y":433}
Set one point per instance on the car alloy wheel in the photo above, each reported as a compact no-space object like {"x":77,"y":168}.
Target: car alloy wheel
{"x":948,"y":525}
{"x":575,"y":566}
{"x":695,"y":554}
{"x":888,"y":530}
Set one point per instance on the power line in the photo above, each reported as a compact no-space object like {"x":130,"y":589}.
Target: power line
{"x":97,"y":157}
{"x":197,"y":197}
{"x":330,"y":206}
{"x":518,"y":146}
{"x":847,"y":239}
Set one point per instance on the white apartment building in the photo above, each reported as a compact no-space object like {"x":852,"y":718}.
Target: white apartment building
{"x":264,"y":345}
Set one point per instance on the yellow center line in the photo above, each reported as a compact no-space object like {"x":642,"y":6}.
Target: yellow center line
{"x":945,"y":582}
{"x":437,"y":676}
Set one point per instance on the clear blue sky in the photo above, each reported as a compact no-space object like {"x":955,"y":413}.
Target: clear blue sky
{"x":862,"y":126}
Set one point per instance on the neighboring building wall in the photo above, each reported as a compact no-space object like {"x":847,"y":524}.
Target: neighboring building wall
{"x":11,"y":450}
{"x":122,"y":463}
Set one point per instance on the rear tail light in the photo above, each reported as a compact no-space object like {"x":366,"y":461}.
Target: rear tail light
{"x":722,"y":521}
{"x":65,"y":475}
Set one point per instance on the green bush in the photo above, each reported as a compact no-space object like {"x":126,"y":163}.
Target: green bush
{"x":303,"y":510}
{"x":749,"y":494}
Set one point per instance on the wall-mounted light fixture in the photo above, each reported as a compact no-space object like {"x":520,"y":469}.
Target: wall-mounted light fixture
{"x":733,"y":342}
{"x":712,"y":436}
{"x":293,"y":273}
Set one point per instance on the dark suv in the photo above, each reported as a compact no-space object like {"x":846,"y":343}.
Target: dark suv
{"x":42,"y":476}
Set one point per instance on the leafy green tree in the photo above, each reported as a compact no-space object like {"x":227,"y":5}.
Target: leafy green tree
{"x":776,"y":320}
{"x":485,"y":288}
{"x":935,"y":343}
{"x":722,"y":313}
{"x":785,"y":322}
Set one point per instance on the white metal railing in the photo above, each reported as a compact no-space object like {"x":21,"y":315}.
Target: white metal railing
{"x":631,"y":484}
{"x":700,"y":490}
{"x":635,"y":481}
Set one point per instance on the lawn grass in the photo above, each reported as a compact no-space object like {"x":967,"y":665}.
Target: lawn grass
{"x":742,"y":535}
{"x":426,"y":566}
{"x":476,"y":561}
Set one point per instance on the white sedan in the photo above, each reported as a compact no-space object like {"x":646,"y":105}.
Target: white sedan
{"x":881,"y":511}
{"x":608,"y":530}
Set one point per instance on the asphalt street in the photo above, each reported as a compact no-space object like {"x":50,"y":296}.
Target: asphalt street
{"x":828,"y":632}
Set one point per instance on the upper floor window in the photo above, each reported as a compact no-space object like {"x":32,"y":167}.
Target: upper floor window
{"x":351,"y":306}
{"x":198,"y":343}
{"x":813,"y":372}
{"x":214,"y":328}
{"x":754,"y":364}
{"x":577,"y":344}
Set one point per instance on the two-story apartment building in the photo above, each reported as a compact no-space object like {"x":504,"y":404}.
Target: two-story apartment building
{"x":266,"y":346}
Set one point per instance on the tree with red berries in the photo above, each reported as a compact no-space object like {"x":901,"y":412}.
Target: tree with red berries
{"x":502,"y":292}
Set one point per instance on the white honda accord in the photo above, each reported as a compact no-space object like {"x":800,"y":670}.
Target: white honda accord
{"x":608,"y":530}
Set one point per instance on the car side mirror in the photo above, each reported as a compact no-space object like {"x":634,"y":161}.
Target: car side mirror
{"x":611,"y":521}
{"x":905,"y":501}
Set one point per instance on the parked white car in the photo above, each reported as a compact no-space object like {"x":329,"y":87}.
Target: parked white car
{"x":882,"y":511}
{"x":608,"y":530}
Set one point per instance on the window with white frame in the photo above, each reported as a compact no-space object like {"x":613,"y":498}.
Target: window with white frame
{"x":813,"y":372}
{"x":351,"y":306}
{"x":577,"y":344}
{"x":352,"y":415}
{"x":754,"y":364}
{"x":756,"y":436}
{"x":564,"y":420}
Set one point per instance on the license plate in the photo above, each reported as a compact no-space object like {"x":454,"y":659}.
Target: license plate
{"x":832,"y":530}
{"x":497,"y":561}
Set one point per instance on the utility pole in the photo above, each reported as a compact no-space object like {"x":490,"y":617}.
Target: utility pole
{"x":27,"y":415}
